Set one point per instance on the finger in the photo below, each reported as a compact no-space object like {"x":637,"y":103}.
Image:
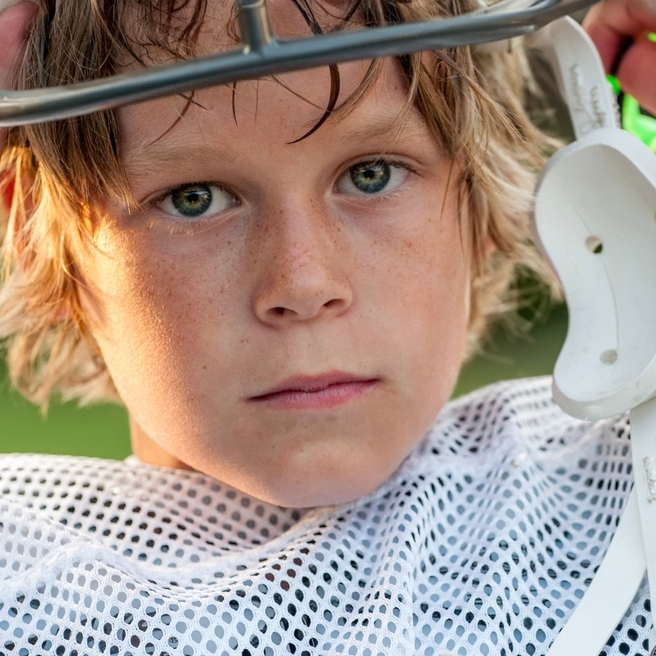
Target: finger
{"x":15,"y":18}
{"x":637,"y":73}
{"x":611,"y":23}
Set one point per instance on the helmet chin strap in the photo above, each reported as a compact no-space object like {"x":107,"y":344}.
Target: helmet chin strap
{"x":595,"y":218}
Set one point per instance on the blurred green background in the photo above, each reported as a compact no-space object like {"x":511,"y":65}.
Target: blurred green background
{"x":102,"y":431}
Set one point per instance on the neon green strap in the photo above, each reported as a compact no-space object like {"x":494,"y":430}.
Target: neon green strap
{"x":633,"y":120}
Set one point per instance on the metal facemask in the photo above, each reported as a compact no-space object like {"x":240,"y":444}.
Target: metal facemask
{"x":262,"y":53}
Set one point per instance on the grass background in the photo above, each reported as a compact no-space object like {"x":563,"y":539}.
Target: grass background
{"x":102,"y":431}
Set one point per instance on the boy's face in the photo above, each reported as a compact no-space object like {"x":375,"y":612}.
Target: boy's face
{"x":342,"y":255}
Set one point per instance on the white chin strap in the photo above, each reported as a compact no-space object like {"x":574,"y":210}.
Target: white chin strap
{"x":595,"y":218}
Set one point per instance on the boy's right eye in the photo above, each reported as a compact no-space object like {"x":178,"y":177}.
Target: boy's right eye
{"x":196,"y":201}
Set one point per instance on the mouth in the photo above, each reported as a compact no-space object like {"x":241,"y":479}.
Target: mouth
{"x":316,"y":392}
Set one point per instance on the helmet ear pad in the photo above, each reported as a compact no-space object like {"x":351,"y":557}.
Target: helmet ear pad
{"x":595,"y":219}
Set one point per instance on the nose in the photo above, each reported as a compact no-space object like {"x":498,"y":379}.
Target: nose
{"x":303,"y":272}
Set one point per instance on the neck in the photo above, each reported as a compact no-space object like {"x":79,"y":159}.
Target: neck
{"x":148,"y":451}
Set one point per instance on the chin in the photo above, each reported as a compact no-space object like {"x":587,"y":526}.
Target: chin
{"x":314,"y":499}
{"x":317,"y":498}
{"x":324,"y":488}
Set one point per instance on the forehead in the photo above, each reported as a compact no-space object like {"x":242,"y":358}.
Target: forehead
{"x":291,"y":104}
{"x":160,"y":30}
{"x":266,"y":116}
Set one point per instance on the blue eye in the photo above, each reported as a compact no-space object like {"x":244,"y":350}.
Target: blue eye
{"x":372,"y":177}
{"x":192,"y":201}
{"x":196,"y":200}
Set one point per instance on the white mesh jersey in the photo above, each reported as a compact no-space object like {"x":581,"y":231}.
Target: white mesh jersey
{"x":482,"y":542}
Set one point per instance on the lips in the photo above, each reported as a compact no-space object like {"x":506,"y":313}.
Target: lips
{"x":323,"y":391}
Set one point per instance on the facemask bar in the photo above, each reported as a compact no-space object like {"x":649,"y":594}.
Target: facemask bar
{"x":262,"y":53}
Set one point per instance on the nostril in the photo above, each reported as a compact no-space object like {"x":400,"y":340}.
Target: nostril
{"x":279,"y":311}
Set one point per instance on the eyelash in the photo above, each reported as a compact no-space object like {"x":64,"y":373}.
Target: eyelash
{"x":373,"y":199}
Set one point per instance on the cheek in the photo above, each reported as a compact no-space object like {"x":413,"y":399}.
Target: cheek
{"x":426,"y":271}
{"x":149,"y":311}
{"x":420,"y":293}
{"x":441,"y":325}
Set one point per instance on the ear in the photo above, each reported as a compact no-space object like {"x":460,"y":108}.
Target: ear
{"x":16,"y":16}
{"x":15,"y":19}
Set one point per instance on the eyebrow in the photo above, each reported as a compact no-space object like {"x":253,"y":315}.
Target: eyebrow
{"x":159,"y":155}
{"x":387,"y":125}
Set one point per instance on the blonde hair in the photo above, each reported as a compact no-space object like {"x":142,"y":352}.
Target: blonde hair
{"x":472,"y":101}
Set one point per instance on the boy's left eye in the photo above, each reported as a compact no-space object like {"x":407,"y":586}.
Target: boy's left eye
{"x":372,"y":177}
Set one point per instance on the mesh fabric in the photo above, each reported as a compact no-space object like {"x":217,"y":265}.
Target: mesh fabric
{"x":482,"y":542}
